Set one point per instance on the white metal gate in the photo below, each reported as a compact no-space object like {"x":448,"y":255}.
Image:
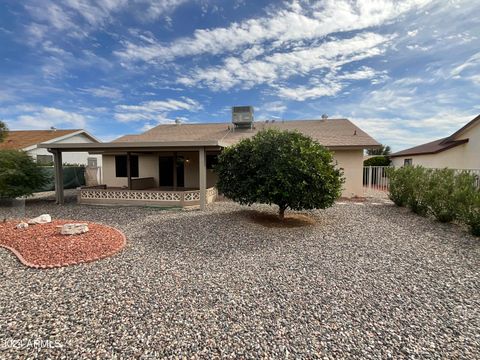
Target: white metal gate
{"x":375,"y":178}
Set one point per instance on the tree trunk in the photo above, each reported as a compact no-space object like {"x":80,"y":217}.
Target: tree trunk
{"x":281,"y":213}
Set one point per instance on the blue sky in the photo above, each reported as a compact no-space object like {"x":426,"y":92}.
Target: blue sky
{"x":405,"y":71}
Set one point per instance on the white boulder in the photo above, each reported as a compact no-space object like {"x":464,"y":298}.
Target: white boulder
{"x":73,"y":229}
{"x":22,"y":225}
{"x":42,"y":219}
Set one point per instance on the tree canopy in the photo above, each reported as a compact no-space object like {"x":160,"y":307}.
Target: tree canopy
{"x":279,"y":167}
{"x":19,"y":174}
{"x":383,"y":150}
{"x":377,"y":161}
{"x":3,"y":131}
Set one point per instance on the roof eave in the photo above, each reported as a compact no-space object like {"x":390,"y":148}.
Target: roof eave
{"x":450,"y":146}
{"x":132,"y":145}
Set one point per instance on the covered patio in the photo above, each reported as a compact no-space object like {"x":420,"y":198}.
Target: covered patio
{"x":172,"y":174}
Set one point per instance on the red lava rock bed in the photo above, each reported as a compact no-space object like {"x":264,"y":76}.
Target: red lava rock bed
{"x":42,"y":245}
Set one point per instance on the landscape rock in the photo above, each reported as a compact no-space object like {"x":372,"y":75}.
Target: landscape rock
{"x":73,"y":229}
{"x":22,"y":225}
{"x":42,"y":219}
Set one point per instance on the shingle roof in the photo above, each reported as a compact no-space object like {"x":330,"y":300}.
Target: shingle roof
{"x":21,"y":139}
{"x":330,"y":133}
{"x":430,"y":148}
{"x":439,"y":145}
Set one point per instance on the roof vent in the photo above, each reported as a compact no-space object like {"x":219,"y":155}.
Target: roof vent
{"x":53,"y":128}
{"x":242,"y":116}
{"x":324,"y":116}
{"x":177,"y":121}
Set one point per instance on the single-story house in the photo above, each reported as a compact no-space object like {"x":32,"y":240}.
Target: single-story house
{"x":29,"y":140}
{"x":172,"y":164}
{"x":460,"y":150}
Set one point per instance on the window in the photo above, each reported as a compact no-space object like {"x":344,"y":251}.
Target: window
{"x":121,"y":165}
{"x":211,"y":161}
{"x":44,"y":159}
{"x":407,"y":162}
{"x":92,"y":162}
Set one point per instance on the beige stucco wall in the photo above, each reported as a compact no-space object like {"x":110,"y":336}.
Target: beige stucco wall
{"x":351,"y":161}
{"x":466,"y":156}
{"x":148,"y":167}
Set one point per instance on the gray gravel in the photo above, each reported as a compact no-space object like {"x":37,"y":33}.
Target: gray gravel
{"x":369,"y":281}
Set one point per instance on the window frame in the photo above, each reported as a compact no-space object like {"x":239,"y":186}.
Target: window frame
{"x":408,"y":162}
{"x":121,"y":166}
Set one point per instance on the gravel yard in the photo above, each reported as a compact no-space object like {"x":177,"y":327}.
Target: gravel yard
{"x":368,"y":281}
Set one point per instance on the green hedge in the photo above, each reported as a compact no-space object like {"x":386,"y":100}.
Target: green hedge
{"x":443,"y":193}
{"x":377,"y":161}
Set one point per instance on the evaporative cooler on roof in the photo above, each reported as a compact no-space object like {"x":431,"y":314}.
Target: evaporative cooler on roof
{"x":242,"y":116}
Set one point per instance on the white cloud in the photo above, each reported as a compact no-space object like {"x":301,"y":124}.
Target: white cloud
{"x":412,"y":33}
{"x":472,"y":61}
{"x":78,"y":18}
{"x":298,"y":22}
{"x":362,"y":73}
{"x":45,"y":117}
{"x":155,"y":110}
{"x":401,"y":132}
{"x":156,"y":8}
{"x":104,"y":92}
{"x":274,"y":107}
{"x":329,"y":57}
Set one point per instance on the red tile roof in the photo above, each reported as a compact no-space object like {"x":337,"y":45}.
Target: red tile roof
{"x":21,"y":139}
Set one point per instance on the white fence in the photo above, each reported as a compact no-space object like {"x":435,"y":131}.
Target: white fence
{"x":375,"y":178}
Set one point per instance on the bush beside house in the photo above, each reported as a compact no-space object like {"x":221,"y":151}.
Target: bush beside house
{"x":443,"y":193}
{"x":19,"y":174}
{"x":380,"y":160}
{"x":279,"y":167}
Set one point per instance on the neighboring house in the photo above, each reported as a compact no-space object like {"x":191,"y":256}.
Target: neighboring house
{"x":177,"y":160}
{"x":28,"y":141}
{"x":461,"y":150}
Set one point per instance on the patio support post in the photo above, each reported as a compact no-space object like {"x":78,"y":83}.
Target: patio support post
{"x":175,"y":183}
{"x":129,"y":171}
{"x":202,"y":165}
{"x":57,"y":161}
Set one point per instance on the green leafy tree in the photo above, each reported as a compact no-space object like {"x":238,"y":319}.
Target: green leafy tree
{"x":380,"y":160}
{"x":3,"y":131}
{"x":19,"y":174}
{"x":279,"y":167}
{"x":383,"y":150}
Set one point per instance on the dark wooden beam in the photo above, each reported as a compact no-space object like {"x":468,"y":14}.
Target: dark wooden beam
{"x":57,"y":161}
{"x":129,"y":170}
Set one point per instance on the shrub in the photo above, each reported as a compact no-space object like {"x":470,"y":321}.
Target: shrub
{"x":469,"y":203}
{"x":417,"y":200}
{"x":441,"y":195}
{"x":407,"y":187}
{"x":399,"y":186}
{"x":377,"y":161}
{"x":19,"y":174}
{"x":279,"y":167}
{"x":3,"y":131}
{"x":472,"y":215}
{"x":447,"y":191}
